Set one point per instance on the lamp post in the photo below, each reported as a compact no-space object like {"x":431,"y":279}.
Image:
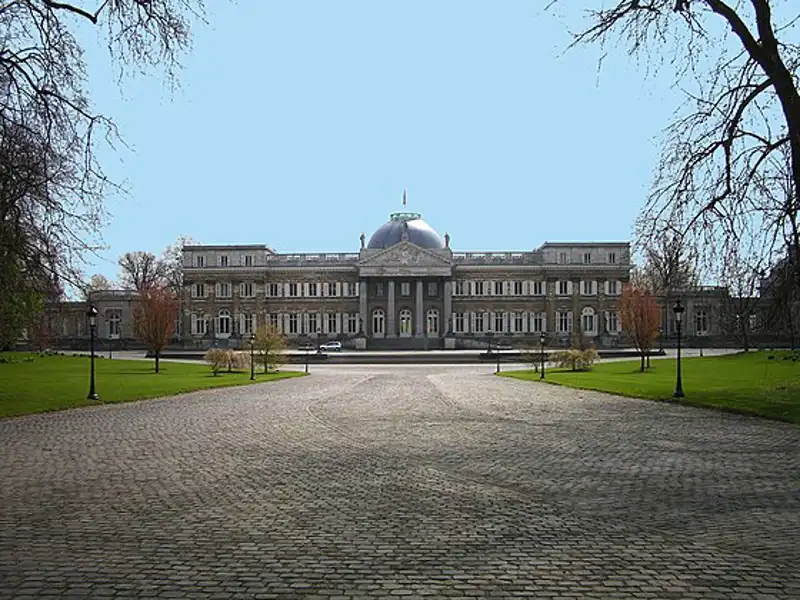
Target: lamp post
{"x":252,"y":361}
{"x":541,"y":345}
{"x":678,"y":310}
{"x":91,"y":313}
{"x":497,"y":356}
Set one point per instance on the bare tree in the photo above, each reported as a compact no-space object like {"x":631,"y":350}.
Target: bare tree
{"x":640,"y":318}
{"x":670,"y":264}
{"x":141,"y":270}
{"x":270,"y":344}
{"x":738,"y":135}
{"x":172,"y":261}
{"x":154,"y":316}
{"x":51,"y":183}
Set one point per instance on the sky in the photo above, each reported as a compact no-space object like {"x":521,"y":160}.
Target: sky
{"x":299,"y":124}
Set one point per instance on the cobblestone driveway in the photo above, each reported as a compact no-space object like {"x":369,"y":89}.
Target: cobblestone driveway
{"x":398,"y":482}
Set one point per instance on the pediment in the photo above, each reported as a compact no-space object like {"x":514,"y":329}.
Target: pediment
{"x":405,"y":254}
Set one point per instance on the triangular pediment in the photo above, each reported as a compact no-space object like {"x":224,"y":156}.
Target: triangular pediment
{"x":405,"y":254}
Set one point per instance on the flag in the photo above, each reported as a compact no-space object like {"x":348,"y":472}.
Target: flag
{"x":404,"y":197}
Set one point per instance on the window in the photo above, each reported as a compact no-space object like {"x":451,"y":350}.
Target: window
{"x":273,"y":290}
{"x":248,"y":260}
{"x":352,"y":323}
{"x":199,"y":290}
{"x":312,"y":291}
{"x":519,"y":322}
{"x":498,"y":288}
{"x":351,"y":289}
{"x":378,"y":321}
{"x":293,"y":322}
{"x":331,"y":318}
{"x":459,"y":290}
{"x":613,"y":322}
{"x":330,"y":288}
{"x":247,"y":324}
{"x":432,"y":289}
{"x":563,"y":288}
{"x":432,"y":322}
{"x":518,"y":288}
{"x":612,"y":288}
{"x":272,"y":321}
{"x":612,"y":258}
{"x":479,"y":288}
{"x":199,"y":261}
{"x":114,"y":318}
{"x":564,"y":321}
{"x":246,"y":289}
{"x":405,"y":322}
{"x":293,"y":290}
{"x":538,"y":288}
{"x":499,"y":326}
{"x":313,"y":323}
{"x":379,"y":289}
{"x":562,"y":258}
{"x":223,"y":260}
{"x":405,"y":288}
{"x":587,"y":258}
{"x":458,"y":323}
{"x":701,"y":322}
{"x":478,"y":322}
{"x":224,"y":322}
{"x":588,"y":324}
{"x":588,"y":288}
{"x":199,"y":324}
{"x":537,"y":322}
{"x":224,"y":290}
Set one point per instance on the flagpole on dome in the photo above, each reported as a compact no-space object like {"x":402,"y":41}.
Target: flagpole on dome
{"x":404,"y":196}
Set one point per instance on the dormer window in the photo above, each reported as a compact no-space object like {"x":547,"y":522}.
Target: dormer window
{"x":587,"y":258}
{"x":223,"y":260}
{"x":199,"y":261}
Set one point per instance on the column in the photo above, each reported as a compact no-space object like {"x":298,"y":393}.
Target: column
{"x":419,"y":330}
{"x":391,"y":330}
{"x":448,"y":308}
{"x":362,"y":307}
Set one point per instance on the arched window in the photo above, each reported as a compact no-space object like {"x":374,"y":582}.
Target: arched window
{"x":588,"y":321}
{"x":224,"y":322}
{"x":378,"y":321}
{"x":405,"y":323}
{"x":432,"y":323}
{"x":701,"y":322}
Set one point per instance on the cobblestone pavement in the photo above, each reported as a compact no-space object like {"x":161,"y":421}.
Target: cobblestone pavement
{"x":398,"y":482}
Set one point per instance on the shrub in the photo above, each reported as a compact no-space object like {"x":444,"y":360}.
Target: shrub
{"x":237,"y":361}
{"x":217,"y":359}
{"x":575,"y":359}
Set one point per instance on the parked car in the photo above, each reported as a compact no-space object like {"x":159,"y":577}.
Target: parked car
{"x":331,"y":347}
{"x":307,"y":347}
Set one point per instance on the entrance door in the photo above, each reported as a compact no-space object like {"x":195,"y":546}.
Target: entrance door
{"x":406,"y":327}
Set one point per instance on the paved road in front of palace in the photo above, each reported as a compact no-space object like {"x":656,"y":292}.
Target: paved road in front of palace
{"x":398,"y":482}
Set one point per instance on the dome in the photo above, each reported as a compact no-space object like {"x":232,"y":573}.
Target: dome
{"x":405,"y":225}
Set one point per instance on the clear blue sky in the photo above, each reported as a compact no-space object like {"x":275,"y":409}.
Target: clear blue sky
{"x":299,"y":124}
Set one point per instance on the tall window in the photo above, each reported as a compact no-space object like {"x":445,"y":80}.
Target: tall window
{"x":378,"y":321}
{"x":272,"y":320}
{"x":564,"y":321}
{"x":199,"y":261}
{"x":405,"y":288}
{"x":247,"y":324}
{"x":588,"y":323}
{"x":332,"y":323}
{"x":498,"y":288}
{"x":613,"y":322}
{"x":499,"y":326}
{"x":293,"y":290}
{"x":405,"y":322}
{"x":224,"y":290}
{"x":613,"y":287}
{"x":587,"y":258}
{"x":199,"y":324}
{"x":313,"y":323}
{"x":459,"y":288}
{"x":479,"y":288}
{"x":199,"y":290}
{"x":562,"y":258}
{"x":352,"y":323}
{"x":538,"y":288}
{"x":612,"y":258}
{"x":224,"y":321}
{"x":351,"y":288}
{"x":479,"y":323}
{"x":701,"y":322}
{"x":273,"y":290}
{"x":293,"y":323}
{"x":458,"y":323}
{"x":114,"y":318}
{"x":432,"y":322}
{"x":588,"y":287}
{"x":519,"y":322}
{"x":518,"y":288}
{"x":537,"y":322}
{"x":246,"y":289}
{"x":563,"y":288}
{"x":330,"y":288}
{"x":223,"y":260}
{"x":312,"y":290}
{"x":248,"y":260}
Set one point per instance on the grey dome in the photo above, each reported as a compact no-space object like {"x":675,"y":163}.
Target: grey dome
{"x":410,"y":224}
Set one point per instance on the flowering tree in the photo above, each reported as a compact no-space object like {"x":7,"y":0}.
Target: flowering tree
{"x":154,"y":316}
{"x":269,"y":344}
{"x":640,"y":318}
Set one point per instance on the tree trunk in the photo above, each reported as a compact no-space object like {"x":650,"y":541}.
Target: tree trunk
{"x":641,"y":369}
{"x":157,"y":353}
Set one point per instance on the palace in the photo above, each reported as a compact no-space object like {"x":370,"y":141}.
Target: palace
{"x":405,"y":288}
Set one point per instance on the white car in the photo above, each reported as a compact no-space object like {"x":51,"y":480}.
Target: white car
{"x":330,"y":346}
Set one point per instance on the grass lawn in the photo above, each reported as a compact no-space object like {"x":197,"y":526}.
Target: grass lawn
{"x":746,"y":382}
{"x":57,"y":382}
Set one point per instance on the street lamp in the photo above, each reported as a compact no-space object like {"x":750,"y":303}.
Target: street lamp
{"x":678,"y":310}
{"x":91,"y":313}
{"x":541,"y":344}
{"x":497,"y":356}
{"x":252,"y":362}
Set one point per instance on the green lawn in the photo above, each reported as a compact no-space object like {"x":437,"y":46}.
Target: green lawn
{"x":747,"y":382}
{"x":57,"y":382}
